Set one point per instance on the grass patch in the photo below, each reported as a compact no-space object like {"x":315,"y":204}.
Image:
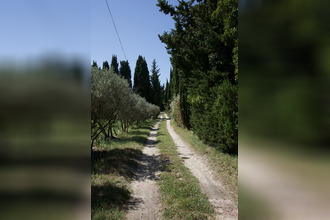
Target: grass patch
{"x":225,"y":165}
{"x":180,"y":190}
{"x":113,"y":164}
{"x":253,"y":206}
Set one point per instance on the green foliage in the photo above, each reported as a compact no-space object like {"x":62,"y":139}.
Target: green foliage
{"x":166,"y":95}
{"x":94,"y":64}
{"x":204,"y":55}
{"x":112,"y":100}
{"x":225,"y":109}
{"x":141,"y":79}
{"x":125,"y":72}
{"x":174,"y":80}
{"x":105,"y":65}
{"x":215,"y":118}
{"x":287,"y":72}
{"x":114,"y":64}
{"x":156,"y":92}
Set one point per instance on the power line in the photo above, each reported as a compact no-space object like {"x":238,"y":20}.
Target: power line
{"x":116,"y":29}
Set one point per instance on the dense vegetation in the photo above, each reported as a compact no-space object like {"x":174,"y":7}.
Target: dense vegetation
{"x":142,"y":79}
{"x":204,"y":80}
{"x":113,"y":101}
{"x":286,"y":72}
{"x":116,"y":103}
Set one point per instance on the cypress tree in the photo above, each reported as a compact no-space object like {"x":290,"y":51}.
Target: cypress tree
{"x":94,"y":64}
{"x":142,"y":79}
{"x":136,"y":85}
{"x":174,"y":82}
{"x":125,"y":72}
{"x":106,"y":65}
{"x":203,"y":48}
{"x":114,"y":64}
{"x":162,"y":89}
{"x":156,"y":94}
{"x":166,"y":92}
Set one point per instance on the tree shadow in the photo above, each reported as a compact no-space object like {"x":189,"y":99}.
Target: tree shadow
{"x":129,"y":163}
{"x":109,"y":196}
{"x":138,"y":139}
{"x":120,"y":161}
{"x":133,"y":204}
{"x":160,"y":134}
{"x":152,"y":143}
{"x":150,"y":167}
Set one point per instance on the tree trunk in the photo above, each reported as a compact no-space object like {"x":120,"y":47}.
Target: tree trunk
{"x":101,"y":129}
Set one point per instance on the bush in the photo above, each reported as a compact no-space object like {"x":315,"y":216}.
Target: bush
{"x":214,"y":118}
{"x":225,"y":110}
{"x":176,"y":111}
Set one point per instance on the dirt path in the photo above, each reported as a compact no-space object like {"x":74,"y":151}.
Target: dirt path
{"x":223,"y":204}
{"x":145,"y":202}
{"x":287,"y":189}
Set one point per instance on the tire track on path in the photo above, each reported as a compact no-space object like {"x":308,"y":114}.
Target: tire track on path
{"x":222,"y":203}
{"x":145,"y":202}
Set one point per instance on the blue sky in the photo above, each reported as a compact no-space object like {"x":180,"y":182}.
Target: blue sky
{"x":84,"y":27}
{"x":138,"y":24}
{"x":32,"y":28}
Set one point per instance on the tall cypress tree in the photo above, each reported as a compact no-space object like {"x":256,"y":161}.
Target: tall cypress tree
{"x":166,"y":92}
{"x":174,"y":82}
{"x":137,"y":74}
{"x":155,"y":85}
{"x":142,"y":79}
{"x":125,"y":72}
{"x":162,"y":89}
{"x":114,"y":64}
{"x":106,"y":65}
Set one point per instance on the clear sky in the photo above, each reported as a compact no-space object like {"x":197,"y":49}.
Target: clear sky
{"x":83,"y":27}
{"x":31,"y":28}
{"x":138,"y":24}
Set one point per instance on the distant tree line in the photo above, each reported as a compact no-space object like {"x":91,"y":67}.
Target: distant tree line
{"x":115,"y":100}
{"x":204,"y":79}
{"x":112,"y":101}
{"x":146,"y":84}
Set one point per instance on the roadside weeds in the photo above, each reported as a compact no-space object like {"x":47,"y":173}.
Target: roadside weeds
{"x":224,"y":165}
{"x":180,"y":190}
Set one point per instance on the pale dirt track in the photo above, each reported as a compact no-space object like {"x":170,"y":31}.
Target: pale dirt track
{"x":221,"y":201}
{"x":145,"y":202}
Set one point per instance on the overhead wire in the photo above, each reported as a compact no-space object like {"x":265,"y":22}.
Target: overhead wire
{"x":122,"y":48}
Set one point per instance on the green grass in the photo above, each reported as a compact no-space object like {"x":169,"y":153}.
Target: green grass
{"x":180,"y":190}
{"x":253,"y":206}
{"x":225,"y":165}
{"x":113,"y":163}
